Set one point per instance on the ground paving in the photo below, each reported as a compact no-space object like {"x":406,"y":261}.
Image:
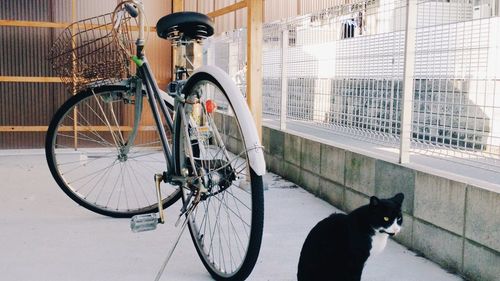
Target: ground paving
{"x":45,"y":236}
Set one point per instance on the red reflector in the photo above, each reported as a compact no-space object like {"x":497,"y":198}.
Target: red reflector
{"x":210,"y":105}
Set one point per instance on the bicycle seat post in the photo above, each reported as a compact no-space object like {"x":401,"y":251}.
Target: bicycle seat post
{"x":181,"y":69}
{"x":187,"y":58}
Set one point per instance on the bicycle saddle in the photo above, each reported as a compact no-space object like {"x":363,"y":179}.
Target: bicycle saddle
{"x":185,"y":26}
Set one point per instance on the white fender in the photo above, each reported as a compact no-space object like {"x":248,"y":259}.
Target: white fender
{"x":242,"y":112}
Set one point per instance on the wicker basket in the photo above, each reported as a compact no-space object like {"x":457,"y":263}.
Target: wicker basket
{"x":93,"y":52}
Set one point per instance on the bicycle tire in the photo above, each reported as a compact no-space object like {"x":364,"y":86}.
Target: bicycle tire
{"x":91,"y":170}
{"x":239,"y":196}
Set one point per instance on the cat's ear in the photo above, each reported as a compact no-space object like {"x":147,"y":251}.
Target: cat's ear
{"x":398,"y":198}
{"x":374,"y":201}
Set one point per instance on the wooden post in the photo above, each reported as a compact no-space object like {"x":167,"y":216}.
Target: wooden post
{"x":177,"y":6}
{"x":254,"y":60}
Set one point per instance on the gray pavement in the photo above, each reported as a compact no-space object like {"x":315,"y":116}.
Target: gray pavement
{"x":45,"y":236}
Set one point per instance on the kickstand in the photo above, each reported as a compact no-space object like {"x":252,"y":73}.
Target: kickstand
{"x":183,"y":227}
{"x":167,"y":259}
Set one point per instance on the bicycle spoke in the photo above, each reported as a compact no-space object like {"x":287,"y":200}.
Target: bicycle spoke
{"x":235,"y":232}
{"x":114,"y":183}
{"x":230,"y":226}
{"x":146,"y":165}
{"x":104,"y":177}
{"x":145,"y":154}
{"x":130,"y":170}
{"x":88,"y":162}
{"x":88,"y":175}
{"x":215,"y":227}
{"x":102,"y":173}
{"x":233,"y":211}
{"x":110,"y":105}
{"x":148,"y":144}
{"x":120,"y":190}
{"x":89,"y":125}
{"x":83,"y":138}
{"x":106,"y":121}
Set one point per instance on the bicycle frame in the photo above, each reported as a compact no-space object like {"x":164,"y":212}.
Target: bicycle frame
{"x":153,"y":94}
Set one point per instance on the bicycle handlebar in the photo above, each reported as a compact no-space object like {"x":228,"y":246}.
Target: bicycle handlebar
{"x":131,"y":10}
{"x":136,"y":10}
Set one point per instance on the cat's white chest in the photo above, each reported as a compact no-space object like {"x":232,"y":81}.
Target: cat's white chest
{"x":379,"y":240}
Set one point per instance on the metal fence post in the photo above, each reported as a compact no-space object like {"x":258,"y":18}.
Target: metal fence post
{"x":408,"y":76}
{"x":284,"y":79}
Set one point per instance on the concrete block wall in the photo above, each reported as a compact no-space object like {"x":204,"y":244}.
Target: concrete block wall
{"x":452,"y":223}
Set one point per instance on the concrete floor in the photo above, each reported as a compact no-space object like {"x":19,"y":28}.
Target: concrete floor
{"x":45,"y":236}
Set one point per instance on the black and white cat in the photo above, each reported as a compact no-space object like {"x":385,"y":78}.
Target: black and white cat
{"x":338,"y":246}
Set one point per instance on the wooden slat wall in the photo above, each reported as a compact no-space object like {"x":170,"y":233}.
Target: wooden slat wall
{"x":29,"y":92}
{"x":89,"y":8}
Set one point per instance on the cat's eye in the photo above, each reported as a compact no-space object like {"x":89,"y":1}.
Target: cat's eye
{"x":386,"y":218}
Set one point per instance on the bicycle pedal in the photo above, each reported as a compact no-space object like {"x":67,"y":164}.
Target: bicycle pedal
{"x":145,"y":222}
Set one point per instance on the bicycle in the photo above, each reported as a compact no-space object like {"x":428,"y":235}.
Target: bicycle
{"x":197,"y":141}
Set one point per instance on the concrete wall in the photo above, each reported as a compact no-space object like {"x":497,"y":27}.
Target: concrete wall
{"x":452,"y":223}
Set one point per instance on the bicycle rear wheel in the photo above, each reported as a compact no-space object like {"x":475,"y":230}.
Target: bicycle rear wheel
{"x":95,"y":159}
{"x":226,"y":225}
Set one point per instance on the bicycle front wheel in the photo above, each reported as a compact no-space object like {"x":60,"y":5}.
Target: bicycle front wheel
{"x":226,"y":225}
{"x":98,"y":161}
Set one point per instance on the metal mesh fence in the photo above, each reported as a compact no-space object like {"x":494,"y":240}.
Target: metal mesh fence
{"x":456,"y":104}
{"x":341,"y":69}
{"x":228,"y":51}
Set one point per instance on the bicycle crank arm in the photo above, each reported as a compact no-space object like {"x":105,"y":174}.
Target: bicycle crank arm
{"x":147,"y":222}
{"x":158,"y":180}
